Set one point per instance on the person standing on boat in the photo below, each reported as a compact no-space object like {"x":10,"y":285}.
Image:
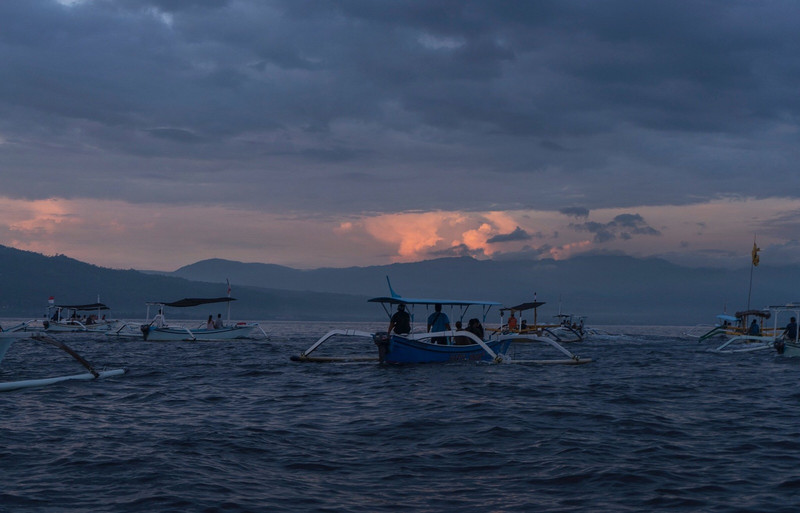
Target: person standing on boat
{"x":438,"y":321}
{"x":158,"y":320}
{"x":218,"y":324}
{"x":790,"y":333}
{"x":400,"y":321}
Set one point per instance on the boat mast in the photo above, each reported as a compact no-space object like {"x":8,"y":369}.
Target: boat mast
{"x":229,"y":303}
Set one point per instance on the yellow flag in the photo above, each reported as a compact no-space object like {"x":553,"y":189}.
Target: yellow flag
{"x":755,"y":251}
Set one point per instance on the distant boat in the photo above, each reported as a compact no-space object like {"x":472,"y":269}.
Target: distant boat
{"x":440,"y":346}
{"x":725,"y":326}
{"x":7,"y":338}
{"x":158,"y":330}
{"x":769,"y":335}
{"x":66,"y":318}
{"x":565,"y":330}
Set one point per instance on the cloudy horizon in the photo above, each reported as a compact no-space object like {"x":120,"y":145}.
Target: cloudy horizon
{"x":152,"y":134}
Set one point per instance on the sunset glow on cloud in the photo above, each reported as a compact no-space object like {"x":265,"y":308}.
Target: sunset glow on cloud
{"x":124,"y":235}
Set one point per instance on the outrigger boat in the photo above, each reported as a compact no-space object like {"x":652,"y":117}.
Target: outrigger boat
{"x":564,"y":331}
{"x":158,"y":330}
{"x":740,"y":338}
{"x":65,"y":319}
{"x":421,"y":347}
{"x":7,"y":338}
{"x":729,"y":325}
{"x":722,"y":327}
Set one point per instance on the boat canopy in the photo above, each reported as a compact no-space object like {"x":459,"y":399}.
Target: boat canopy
{"x":727,"y":317}
{"x":193,"y":301}
{"x":523,"y":306}
{"x":93,"y":306}
{"x":756,"y":313}
{"x":396,"y":300}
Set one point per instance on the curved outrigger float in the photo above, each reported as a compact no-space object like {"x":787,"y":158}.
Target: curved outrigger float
{"x":8,"y":338}
{"x":419,"y":347}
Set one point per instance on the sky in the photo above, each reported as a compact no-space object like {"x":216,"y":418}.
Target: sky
{"x":151,"y":134}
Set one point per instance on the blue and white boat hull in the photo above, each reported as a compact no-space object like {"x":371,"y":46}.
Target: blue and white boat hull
{"x":406,"y":350}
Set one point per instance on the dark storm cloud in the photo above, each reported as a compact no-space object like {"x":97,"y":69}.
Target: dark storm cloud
{"x":623,"y":226}
{"x":459,"y":250}
{"x":575,"y":211}
{"x":606,"y":104}
{"x":516,"y":235}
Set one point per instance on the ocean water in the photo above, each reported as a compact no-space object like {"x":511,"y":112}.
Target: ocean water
{"x":655,"y":422}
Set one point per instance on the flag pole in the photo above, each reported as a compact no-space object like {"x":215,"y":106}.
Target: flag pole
{"x":753,"y":264}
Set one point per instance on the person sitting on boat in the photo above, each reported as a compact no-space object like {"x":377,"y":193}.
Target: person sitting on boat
{"x":400,"y":321}
{"x":460,"y":340}
{"x":210,"y":322}
{"x":754,"y":330}
{"x":524,"y":325}
{"x":218,"y":324}
{"x":790,"y":333}
{"x":512,"y":322}
{"x":438,"y":321}
{"x":474,"y":326}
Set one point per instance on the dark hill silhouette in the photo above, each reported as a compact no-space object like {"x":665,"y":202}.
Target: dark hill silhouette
{"x":28,"y":279}
{"x":607,"y":289}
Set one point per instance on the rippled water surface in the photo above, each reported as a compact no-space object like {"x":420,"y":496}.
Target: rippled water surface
{"x":655,"y":422}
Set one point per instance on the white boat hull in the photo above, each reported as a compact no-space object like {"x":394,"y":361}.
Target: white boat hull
{"x":151,"y":333}
{"x":60,"y":327}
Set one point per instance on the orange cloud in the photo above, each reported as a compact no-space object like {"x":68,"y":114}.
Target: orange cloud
{"x":418,"y":235}
{"x":568,"y":250}
{"x":413,"y":234}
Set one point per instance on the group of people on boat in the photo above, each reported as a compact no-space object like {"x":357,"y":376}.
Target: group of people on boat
{"x":211,"y":324}
{"x":514,"y":324}
{"x":438,"y":321}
